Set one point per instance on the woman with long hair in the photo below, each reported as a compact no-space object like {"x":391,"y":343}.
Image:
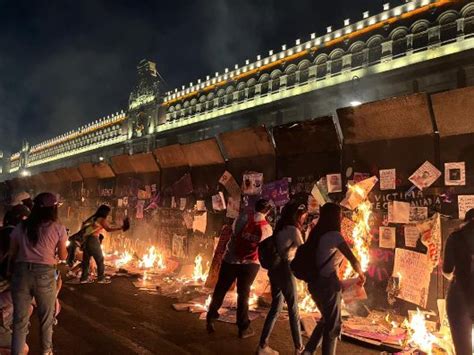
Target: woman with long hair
{"x":94,"y":228}
{"x":330,"y":248}
{"x":34,"y":245}
{"x":288,"y":237}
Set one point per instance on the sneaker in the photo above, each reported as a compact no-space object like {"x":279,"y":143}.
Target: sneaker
{"x":246,"y":333}
{"x":86,"y":281}
{"x":210,"y":326}
{"x":266,"y":351}
{"x":104,"y":281}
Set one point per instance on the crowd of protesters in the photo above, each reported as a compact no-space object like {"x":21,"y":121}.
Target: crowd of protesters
{"x":33,"y":241}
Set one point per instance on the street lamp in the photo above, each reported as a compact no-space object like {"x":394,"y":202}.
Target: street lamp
{"x":25,"y":173}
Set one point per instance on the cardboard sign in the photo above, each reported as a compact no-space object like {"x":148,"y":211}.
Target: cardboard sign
{"x":465,"y":203}
{"x":388,"y":178}
{"x":334,"y":182}
{"x":455,"y":174}
{"x":228,"y":181}
{"x":399,"y":212}
{"x":252,"y":183}
{"x":414,"y":271}
{"x":387,"y":237}
{"x":411,"y":235}
{"x":201,"y":205}
{"x":425,"y":176}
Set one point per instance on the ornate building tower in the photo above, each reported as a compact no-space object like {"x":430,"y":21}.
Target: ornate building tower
{"x":144,"y":102}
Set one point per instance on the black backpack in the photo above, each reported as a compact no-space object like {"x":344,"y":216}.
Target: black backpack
{"x":268,"y":253}
{"x":304,"y":266}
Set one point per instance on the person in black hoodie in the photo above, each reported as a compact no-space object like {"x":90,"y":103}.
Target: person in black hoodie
{"x":458,"y":267}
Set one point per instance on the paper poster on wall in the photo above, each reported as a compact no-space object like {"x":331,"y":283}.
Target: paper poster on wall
{"x":425,"y":176}
{"x":140,"y":206}
{"x":399,"y":212}
{"x":200,"y":222}
{"x":465,"y":203}
{"x":418,"y":214}
{"x":387,"y":237}
{"x":334,"y":182}
{"x":277,"y":191}
{"x":233,"y":207}
{"x":218,"y":202}
{"x":455,"y":174}
{"x":177,"y":246}
{"x":388,"y":179}
{"x":201,"y":205}
{"x":358,"y":177}
{"x":182,"y":203}
{"x":414,"y":270}
{"x":173,"y":202}
{"x":252,"y":183}
{"x":228,"y":181}
{"x":411,"y":235}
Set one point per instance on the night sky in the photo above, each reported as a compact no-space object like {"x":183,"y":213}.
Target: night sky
{"x":66,"y":63}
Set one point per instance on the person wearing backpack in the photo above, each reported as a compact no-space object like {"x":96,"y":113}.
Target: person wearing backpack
{"x":240,"y":262}
{"x":328,"y":248}
{"x":458,"y":266}
{"x":287,"y":238}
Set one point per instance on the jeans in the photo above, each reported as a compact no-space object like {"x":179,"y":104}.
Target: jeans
{"x":38,"y":281}
{"x":283,"y":285}
{"x":459,"y":318}
{"x":92,"y":249}
{"x":326,"y":293}
{"x":245,"y":275}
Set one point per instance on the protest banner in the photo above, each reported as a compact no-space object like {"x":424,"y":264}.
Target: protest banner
{"x":430,"y":231}
{"x":414,"y":271}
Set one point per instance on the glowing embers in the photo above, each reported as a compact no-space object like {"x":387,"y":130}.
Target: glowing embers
{"x":198,"y":273}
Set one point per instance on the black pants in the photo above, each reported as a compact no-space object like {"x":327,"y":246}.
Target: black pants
{"x":245,"y":275}
{"x":326,"y":293}
{"x":459,"y":318}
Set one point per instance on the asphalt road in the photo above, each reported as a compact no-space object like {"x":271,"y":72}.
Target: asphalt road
{"x":119,"y":319}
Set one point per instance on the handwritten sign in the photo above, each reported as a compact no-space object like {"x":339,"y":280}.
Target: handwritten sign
{"x":411,"y":235}
{"x":414,"y":270}
{"x":465,"y":203}
{"x":388,"y":179}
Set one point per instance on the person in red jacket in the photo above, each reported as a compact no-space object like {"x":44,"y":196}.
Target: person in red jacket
{"x":240,"y":262}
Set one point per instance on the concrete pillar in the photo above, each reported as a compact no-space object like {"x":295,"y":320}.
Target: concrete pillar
{"x":460,"y":27}
{"x":365,"y":57}
{"x":387,"y":51}
{"x":346,"y":62}
{"x":409,"y":43}
{"x":434,"y":37}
